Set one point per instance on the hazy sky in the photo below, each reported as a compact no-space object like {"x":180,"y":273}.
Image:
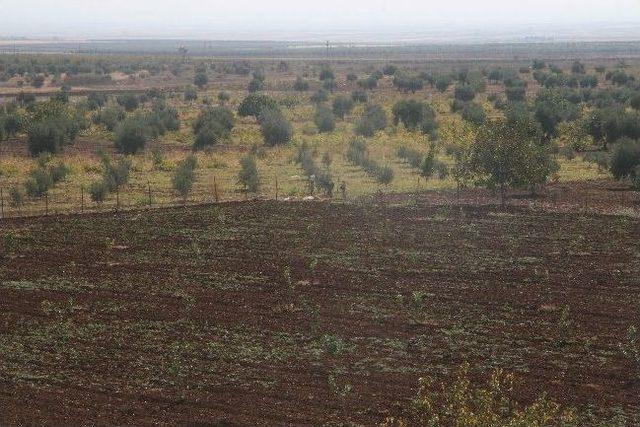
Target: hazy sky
{"x":155,"y":17}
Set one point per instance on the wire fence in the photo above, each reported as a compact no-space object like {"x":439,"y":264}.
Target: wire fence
{"x":141,"y":196}
{"x":559,"y":200}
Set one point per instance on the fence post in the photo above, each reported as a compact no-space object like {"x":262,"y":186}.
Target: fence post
{"x":276,"y":188}
{"x":215,"y":188}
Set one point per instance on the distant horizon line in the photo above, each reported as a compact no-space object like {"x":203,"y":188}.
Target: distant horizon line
{"x":417,"y":33}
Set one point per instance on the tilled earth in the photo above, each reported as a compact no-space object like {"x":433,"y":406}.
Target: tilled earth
{"x":308,"y":313}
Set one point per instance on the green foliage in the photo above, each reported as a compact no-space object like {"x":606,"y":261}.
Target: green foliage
{"x":190,"y":94}
{"x":408,"y":82}
{"x":184,"y":176}
{"x":342,"y":105}
{"x":359,"y":96}
{"x":248,"y":175}
{"x":317,"y":177}
{"x":619,"y":77}
{"x":255,"y":85}
{"x":443,"y":83}
{"x":516,"y":93}
{"x":411,"y":156}
{"x":275,"y":128}
{"x":301,"y":85}
{"x":53,"y":125}
{"x":96,"y":100}
{"x":329,"y":85}
{"x":412,"y":113}
{"x":334,"y":345}
{"x":464,"y":92}
{"x":373,"y":119}
{"x":324,"y":119}
{"x":253,"y":105}
{"x":552,"y":108}
{"x":131,"y":135}
{"x":110,"y":116}
{"x":505,"y":155}
{"x":223,"y":96}
{"x":47,"y":136}
{"x":327,"y":74}
{"x":474,"y":113}
{"x":630,"y":348}
{"x":368,"y":83}
{"x":212,"y":126}
{"x":358,"y":154}
{"x":13,"y":123}
{"x":201,"y":79}
{"x":16,"y":197}
{"x":128,"y":101}
{"x":161,"y":119}
{"x":609,"y":124}
{"x":44,"y":176}
{"x":625,"y":159}
{"x":538,"y":64}
{"x":37,"y":81}
{"x":98,"y":191}
{"x":26,"y":99}
{"x":459,"y":403}
{"x":389,"y":70}
{"x":115,"y":175}
{"x":62,"y":96}
{"x":588,"y":81}
{"x":320,"y":96}
{"x":578,"y":67}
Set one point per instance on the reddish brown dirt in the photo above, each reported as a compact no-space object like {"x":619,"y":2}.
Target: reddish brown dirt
{"x":220,"y":314}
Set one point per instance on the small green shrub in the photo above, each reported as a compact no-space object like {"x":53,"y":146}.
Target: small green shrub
{"x":184,"y":176}
{"x":248,"y":175}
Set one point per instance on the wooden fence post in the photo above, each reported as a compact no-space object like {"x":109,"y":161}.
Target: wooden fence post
{"x":215,"y":189}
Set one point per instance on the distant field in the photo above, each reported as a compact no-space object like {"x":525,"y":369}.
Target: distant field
{"x":562,"y":50}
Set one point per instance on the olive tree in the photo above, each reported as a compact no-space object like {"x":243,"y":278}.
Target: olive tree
{"x":131,"y":136}
{"x":342,"y":105}
{"x":324,"y":119}
{"x":201,"y":80}
{"x":275,"y":128}
{"x":373,"y":119}
{"x":505,"y":155}
{"x":625,"y":159}
{"x":412,"y":113}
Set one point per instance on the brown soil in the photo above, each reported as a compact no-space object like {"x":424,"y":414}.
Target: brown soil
{"x":265,"y":313}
